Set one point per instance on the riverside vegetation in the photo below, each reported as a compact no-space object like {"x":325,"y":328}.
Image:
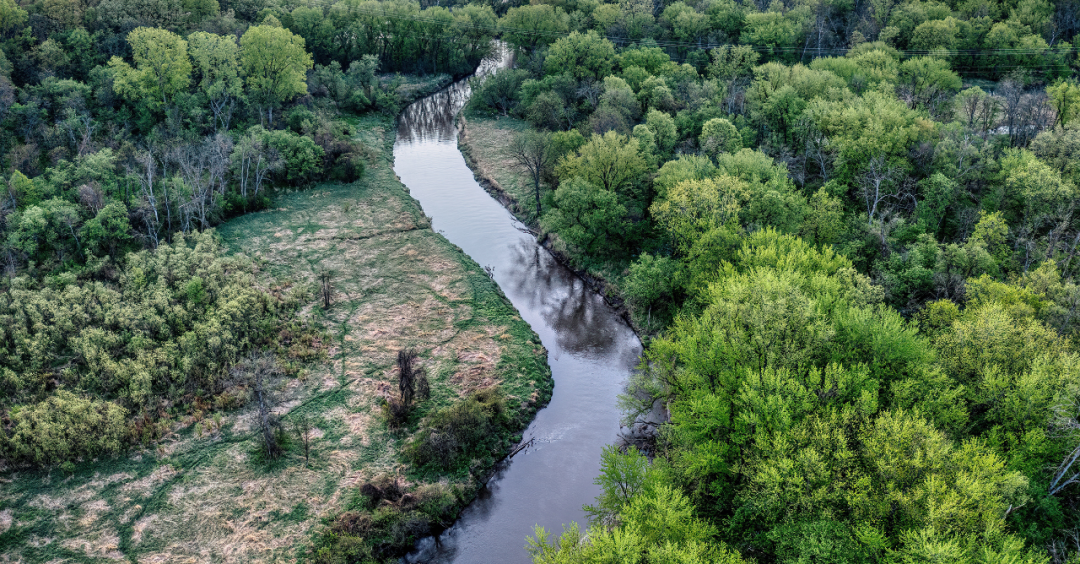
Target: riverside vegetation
{"x":852,"y":244}
{"x":850,"y":228}
{"x":170,"y":391}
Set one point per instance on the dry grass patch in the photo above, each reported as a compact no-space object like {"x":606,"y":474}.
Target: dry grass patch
{"x":486,"y":141}
{"x":207,"y":498}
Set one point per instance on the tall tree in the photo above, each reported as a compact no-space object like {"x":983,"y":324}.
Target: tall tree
{"x":162,"y":67}
{"x":531,"y":151}
{"x":217,"y":62}
{"x":275,"y":65}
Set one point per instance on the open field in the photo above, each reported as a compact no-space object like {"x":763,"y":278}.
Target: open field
{"x":205,"y":494}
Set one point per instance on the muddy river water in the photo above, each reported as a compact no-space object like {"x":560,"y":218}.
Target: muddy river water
{"x":591,"y":350}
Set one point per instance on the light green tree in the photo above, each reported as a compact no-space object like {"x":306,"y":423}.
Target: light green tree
{"x":275,"y":64}
{"x":583,"y":55}
{"x":663,"y":127}
{"x":1065,"y":96}
{"x":12,"y":17}
{"x":612,"y":162}
{"x":218,"y":73}
{"x":162,"y":67}
{"x":694,"y":207}
{"x":718,"y":135}
{"x":531,"y":26}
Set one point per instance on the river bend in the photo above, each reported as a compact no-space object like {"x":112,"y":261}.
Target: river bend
{"x":590,"y":349}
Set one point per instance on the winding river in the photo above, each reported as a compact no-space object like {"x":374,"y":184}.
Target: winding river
{"x":591,"y":350}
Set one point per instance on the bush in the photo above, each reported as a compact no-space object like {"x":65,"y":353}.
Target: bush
{"x":63,"y":427}
{"x":303,"y":158}
{"x":385,"y":519}
{"x":470,"y":428}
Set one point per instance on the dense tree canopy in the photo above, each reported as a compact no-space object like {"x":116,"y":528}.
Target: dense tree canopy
{"x":856,"y":264}
{"x":848,"y":229}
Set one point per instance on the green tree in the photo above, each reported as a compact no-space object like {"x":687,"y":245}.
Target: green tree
{"x":12,"y":17}
{"x":611,"y":162}
{"x":48,"y":230}
{"x":693,"y":207}
{"x":302,"y":159}
{"x":218,"y":74}
{"x":824,"y":223}
{"x":928,"y":82}
{"x":107,"y":231}
{"x":663,"y":126}
{"x":650,"y":282}
{"x":1065,"y":96}
{"x":622,"y":476}
{"x":274,"y":64}
{"x":586,"y":216}
{"x":531,"y":26}
{"x":718,"y":135}
{"x":583,"y":55}
{"x":162,"y":67}
{"x":686,"y":167}
{"x":1035,"y":190}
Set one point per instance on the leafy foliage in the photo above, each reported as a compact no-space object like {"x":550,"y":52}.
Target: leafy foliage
{"x":79,"y":356}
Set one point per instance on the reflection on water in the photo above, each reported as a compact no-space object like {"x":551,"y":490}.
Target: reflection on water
{"x":432,"y":118}
{"x":579,"y":319}
{"x":591,"y":351}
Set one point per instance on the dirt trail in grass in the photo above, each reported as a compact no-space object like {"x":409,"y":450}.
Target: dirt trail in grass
{"x":209,"y":497}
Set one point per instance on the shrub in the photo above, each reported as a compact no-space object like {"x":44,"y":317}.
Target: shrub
{"x":386,"y":518}
{"x":63,"y":427}
{"x":467,"y":429}
{"x":412,"y":384}
{"x":168,"y":325}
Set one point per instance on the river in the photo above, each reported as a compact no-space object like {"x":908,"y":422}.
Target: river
{"x":590,"y":349}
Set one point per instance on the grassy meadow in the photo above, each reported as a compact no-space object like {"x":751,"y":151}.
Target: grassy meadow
{"x":206,"y":492}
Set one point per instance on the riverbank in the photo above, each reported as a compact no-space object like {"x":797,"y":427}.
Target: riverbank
{"x":483,"y":142}
{"x":204,"y":493}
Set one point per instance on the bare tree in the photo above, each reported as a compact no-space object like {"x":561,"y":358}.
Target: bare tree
{"x":532,"y":153}
{"x":145,"y":171}
{"x":258,"y":368}
{"x":80,"y":128}
{"x":203,"y":167}
{"x":302,"y":428}
{"x":326,"y":289}
{"x":412,"y":381}
{"x":1025,"y":114}
{"x":252,"y":161}
{"x":878,"y":184}
{"x":412,"y":384}
{"x":91,"y":196}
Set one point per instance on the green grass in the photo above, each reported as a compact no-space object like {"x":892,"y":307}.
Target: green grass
{"x":211,"y":498}
{"x":484,"y":145}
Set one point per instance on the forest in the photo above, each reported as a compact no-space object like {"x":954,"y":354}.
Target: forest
{"x":846,"y":230}
{"x":849,"y":232}
{"x":127,"y":130}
